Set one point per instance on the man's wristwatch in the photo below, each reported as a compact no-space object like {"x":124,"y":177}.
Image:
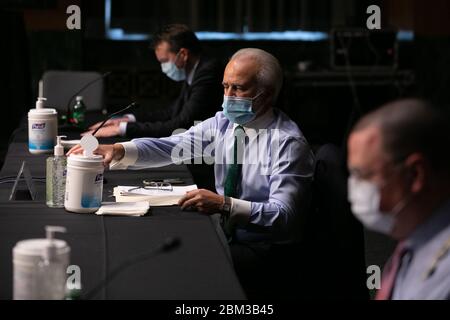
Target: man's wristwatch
{"x":226,"y":206}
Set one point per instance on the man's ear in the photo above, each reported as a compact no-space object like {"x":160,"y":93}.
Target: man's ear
{"x":418,"y":174}
{"x":184,"y":53}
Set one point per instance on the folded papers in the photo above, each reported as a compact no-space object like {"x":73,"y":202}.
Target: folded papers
{"x":133,"y":209}
{"x":154,"y":197}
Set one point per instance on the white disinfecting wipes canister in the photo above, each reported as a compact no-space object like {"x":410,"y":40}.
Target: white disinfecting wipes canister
{"x":84,"y":180}
{"x":42,"y":128}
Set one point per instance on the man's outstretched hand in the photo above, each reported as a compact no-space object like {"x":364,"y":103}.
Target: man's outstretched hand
{"x":109,"y":152}
{"x":111,"y":130}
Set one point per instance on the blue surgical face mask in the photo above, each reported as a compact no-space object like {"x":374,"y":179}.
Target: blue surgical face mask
{"x":172,"y":71}
{"x":239,"y":109}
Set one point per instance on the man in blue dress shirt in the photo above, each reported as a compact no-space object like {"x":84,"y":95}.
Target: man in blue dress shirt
{"x":263,"y":163}
{"x":399,"y":160}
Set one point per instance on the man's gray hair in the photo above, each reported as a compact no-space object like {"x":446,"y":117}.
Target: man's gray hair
{"x":270,"y":74}
{"x":412,"y":125}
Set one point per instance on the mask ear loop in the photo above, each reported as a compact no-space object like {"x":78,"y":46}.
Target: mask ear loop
{"x":401,"y":205}
{"x":257,"y":96}
{"x":176,"y":58}
{"x":244,"y":98}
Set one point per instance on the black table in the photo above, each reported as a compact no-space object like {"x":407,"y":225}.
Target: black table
{"x":199,"y":269}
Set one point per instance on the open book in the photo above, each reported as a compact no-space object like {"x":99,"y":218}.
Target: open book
{"x":155,"y":197}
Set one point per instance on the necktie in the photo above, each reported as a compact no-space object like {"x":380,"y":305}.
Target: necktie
{"x":390,"y":273}
{"x":234,"y":171}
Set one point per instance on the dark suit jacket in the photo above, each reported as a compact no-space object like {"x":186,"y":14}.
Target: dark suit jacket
{"x":196,"y":102}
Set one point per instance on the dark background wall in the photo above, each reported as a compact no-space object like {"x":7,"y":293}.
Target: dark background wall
{"x":322,"y":109}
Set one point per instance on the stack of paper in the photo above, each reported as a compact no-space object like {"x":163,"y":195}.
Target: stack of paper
{"x":155,"y":197}
{"x":134,"y":209}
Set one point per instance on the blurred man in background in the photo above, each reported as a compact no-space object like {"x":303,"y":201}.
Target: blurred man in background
{"x":178,"y":50}
{"x":399,"y":161}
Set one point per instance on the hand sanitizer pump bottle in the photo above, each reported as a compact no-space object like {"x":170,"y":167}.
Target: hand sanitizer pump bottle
{"x":56,"y":176}
{"x":42,"y":128}
{"x":40,"y":267}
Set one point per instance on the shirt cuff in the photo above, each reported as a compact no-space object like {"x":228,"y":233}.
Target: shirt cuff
{"x":123,"y":128}
{"x":130,"y":117}
{"x":240,"y":211}
{"x":130,"y":157}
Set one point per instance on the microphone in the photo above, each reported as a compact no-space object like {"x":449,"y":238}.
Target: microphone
{"x":81,"y":90}
{"x":168,"y":245}
{"x":112,"y":115}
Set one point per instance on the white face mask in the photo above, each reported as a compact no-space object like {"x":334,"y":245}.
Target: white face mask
{"x":365,"y":197}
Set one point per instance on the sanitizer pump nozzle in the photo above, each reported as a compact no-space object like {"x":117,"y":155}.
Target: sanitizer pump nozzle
{"x":40,"y":102}
{"x":50,"y":251}
{"x":59,"y":149}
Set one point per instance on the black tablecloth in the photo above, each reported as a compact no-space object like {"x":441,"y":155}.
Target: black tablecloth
{"x":199,"y":269}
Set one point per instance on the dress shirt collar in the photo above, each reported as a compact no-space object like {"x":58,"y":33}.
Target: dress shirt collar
{"x":261,"y":122}
{"x":191,"y":74}
{"x":436,"y":223}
